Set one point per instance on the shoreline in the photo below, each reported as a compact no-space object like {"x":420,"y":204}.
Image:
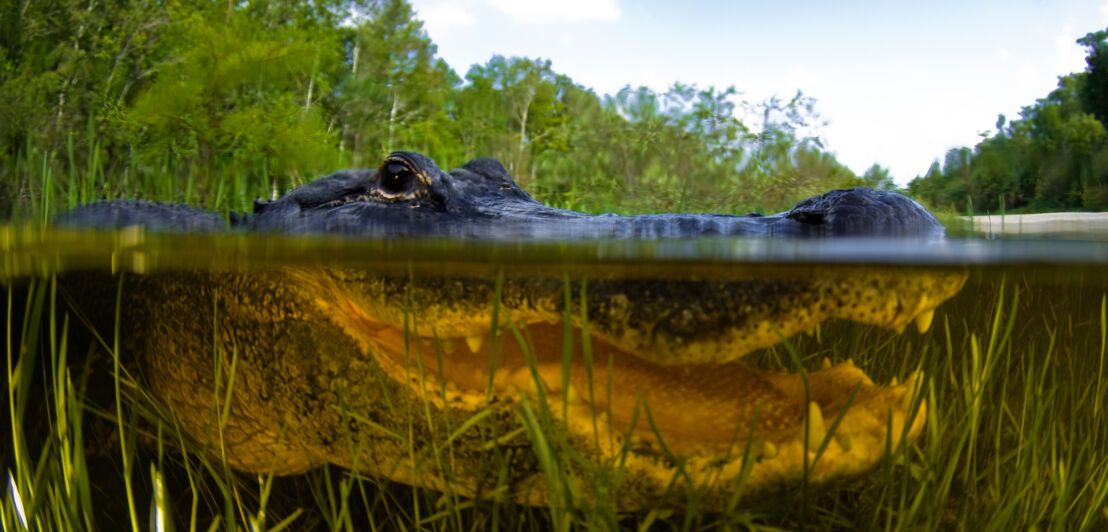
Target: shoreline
{"x":1041,"y":223}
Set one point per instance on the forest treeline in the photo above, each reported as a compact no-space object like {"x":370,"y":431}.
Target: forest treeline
{"x":218,"y":102}
{"x":1053,"y":157}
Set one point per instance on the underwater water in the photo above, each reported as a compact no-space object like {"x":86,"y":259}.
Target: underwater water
{"x":1014,"y":433}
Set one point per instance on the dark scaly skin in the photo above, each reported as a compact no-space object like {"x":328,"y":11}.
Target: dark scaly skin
{"x":409,"y":196}
{"x":322,"y":372}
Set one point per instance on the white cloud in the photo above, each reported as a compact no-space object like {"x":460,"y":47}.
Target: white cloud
{"x":558,"y":11}
{"x":1104,"y":14}
{"x":1071,"y":56}
{"x":439,"y":19}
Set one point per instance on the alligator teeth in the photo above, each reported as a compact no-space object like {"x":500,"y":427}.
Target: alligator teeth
{"x":572,"y":396}
{"x":769,"y":451}
{"x":817,"y":431}
{"x":826,"y":364}
{"x":923,"y":321}
{"x":893,"y":382}
{"x":475,"y":342}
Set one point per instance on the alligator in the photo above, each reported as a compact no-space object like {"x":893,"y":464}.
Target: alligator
{"x":471,"y":384}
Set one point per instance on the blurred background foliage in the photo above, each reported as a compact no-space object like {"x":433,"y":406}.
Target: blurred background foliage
{"x":1053,"y":157}
{"x":217,"y":103}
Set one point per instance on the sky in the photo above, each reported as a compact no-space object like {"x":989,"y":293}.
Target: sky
{"x":900,"y":82}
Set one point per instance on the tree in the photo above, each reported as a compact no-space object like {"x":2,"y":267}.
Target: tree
{"x":927,"y":188}
{"x":1094,"y":90}
{"x":529,"y":97}
{"x":229,"y":100}
{"x":878,"y":177}
{"x":65,"y":67}
{"x":394,"y":81}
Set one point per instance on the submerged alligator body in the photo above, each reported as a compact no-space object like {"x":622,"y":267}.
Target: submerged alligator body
{"x":465,"y":384}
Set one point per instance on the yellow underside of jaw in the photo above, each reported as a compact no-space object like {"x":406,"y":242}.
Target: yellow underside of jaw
{"x":828,"y":424}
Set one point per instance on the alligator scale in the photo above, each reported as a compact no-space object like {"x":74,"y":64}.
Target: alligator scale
{"x":462,"y":383}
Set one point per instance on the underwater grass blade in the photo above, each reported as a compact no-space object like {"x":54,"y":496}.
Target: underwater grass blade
{"x":567,"y":341}
{"x":494,"y":329}
{"x":1099,"y":398}
{"x":125,"y":433}
{"x":21,"y":482}
{"x":587,"y":357}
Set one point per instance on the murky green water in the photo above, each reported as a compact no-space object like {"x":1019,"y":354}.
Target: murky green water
{"x":1017,"y":427}
{"x":29,"y":252}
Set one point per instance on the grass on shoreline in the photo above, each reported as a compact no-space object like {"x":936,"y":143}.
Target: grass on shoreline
{"x":1015,"y":437}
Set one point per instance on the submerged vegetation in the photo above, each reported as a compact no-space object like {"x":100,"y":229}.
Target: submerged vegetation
{"x":218,"y":103}
{"x":1015,"y":385}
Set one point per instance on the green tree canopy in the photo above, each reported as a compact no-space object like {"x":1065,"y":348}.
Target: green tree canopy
{"x":1055,"y":156}
{"x":217,"y":103}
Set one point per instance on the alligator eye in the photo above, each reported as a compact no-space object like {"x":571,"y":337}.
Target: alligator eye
{"x":397,"y":179}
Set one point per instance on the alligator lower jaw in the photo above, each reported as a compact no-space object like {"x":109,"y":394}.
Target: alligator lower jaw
{"x":831,"y":424}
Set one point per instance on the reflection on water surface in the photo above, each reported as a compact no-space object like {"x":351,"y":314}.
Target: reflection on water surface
{"x":33,"y":252}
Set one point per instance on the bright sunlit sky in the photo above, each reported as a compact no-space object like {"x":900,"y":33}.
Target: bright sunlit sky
{"x":899,"y":82}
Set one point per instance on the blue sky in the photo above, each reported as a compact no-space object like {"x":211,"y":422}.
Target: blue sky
{"x":899,"y":82}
